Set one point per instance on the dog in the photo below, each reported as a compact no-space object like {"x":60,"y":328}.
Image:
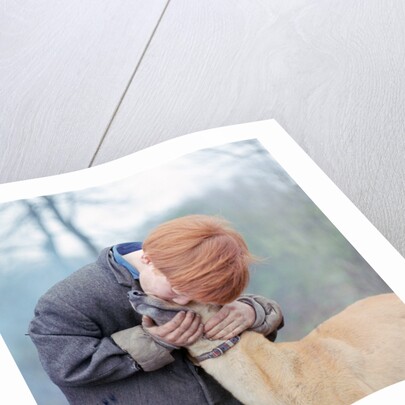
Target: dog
{"x":347,"y":357}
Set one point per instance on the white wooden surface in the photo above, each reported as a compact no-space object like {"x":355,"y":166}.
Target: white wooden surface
{"x":330,"y":72}
{"x":64,"y":66}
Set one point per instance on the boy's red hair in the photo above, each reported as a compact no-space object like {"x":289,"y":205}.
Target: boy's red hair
{"x":201,"y":256}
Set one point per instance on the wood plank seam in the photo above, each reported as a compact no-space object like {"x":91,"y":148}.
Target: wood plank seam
{"x":128,"y":85}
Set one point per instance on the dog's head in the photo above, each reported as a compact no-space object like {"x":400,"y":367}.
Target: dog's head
{"x":163,"y":311}
{"x":159,"y":310}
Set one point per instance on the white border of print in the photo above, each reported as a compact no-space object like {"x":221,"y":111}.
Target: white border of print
{"x":356,"y":228}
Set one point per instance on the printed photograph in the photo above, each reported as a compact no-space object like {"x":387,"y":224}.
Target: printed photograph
{"x":99,"y":290}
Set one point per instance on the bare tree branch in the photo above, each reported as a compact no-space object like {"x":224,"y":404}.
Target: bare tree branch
{"x":36,"y":215}
{"x":50,"y":203}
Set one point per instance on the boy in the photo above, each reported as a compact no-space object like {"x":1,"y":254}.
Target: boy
{"x":98,"y":350}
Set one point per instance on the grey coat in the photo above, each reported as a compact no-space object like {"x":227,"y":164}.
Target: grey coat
{"x":72,"y":331}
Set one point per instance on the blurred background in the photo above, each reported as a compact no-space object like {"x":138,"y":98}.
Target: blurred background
{"x":305,"y":263}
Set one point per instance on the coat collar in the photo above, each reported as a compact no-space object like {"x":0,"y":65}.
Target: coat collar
{"x":122,"y":275}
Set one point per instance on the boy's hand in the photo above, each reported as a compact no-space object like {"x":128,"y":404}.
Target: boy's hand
{"x":183,"y":330}
{"x":231,"y":320}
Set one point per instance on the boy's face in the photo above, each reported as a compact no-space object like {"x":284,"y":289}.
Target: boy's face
{"x":153,"y":282}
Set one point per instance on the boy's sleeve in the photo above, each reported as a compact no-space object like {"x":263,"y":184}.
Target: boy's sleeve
{"x":148,"y":353}
{"x":269,"y":317}
{"x":74,"y":352}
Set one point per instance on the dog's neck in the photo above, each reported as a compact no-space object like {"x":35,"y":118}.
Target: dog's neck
{"x":237,"y":361}
{"x":206,"y":311}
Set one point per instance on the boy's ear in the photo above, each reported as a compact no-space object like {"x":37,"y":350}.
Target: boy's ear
{"x":145,"y":258}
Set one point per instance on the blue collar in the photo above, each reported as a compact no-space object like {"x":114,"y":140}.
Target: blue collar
{"x":123,"y":249}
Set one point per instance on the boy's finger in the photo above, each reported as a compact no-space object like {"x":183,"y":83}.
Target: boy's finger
{"x":184,"y":326}
{"x":196,"y":335}
{"x":192,"y":328}
{"x":217,"y":328}
{"x":217,"y":319}
{"x":229,"y":331}
{"x":170,"y":326}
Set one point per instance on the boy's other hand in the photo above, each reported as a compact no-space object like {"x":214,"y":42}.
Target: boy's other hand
{"x":231,"y":320}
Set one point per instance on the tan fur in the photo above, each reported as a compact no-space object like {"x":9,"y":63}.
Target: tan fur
{"x":354,"y":353}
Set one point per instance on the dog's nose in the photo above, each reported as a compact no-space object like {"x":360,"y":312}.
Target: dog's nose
{"x":136,"y":293}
